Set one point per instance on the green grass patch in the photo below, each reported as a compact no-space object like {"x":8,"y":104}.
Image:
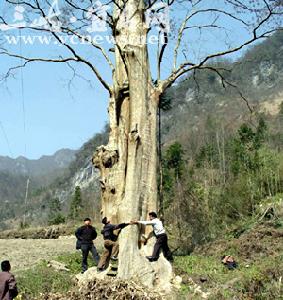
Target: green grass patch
{"x":43,"y":279}
{"x":260,"y":280}
{"x":73,"y":261}
{"x":203,"y":267}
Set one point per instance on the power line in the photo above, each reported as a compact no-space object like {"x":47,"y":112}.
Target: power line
{"x":24,"y":110}
{"x":24,"y":125}
{"x":6,"y":139}
{"x":23,"y":96}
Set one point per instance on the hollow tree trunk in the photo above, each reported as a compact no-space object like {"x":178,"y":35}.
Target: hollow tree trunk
{"x":128,"y":164}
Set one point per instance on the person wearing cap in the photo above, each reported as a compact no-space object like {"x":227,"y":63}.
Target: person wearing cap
{"x":111,"y":245}
{"x":161,"y":237}
{"x":8,"y":285}
{"x":85,"y":235}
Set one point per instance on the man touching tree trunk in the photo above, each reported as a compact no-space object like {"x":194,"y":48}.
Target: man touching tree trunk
{"x":161,"y":238}
{"x":111,"y":244}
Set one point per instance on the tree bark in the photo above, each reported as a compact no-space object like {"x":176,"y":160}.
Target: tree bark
{"x":128,"y":164}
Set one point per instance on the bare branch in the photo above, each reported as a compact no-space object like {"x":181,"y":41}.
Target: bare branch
{"x":204,"y":26}
{"x":238,"y":4}
{"x":76,"y":75}
{"x":225,"y":82}
{"x":92,"y":43}
{"x":188,"y":66}
{"x":39,"y":59}
{"x":69,"y":30}
{"x":209,"y":10}
{"x":28,"y":60}
{"x":184,"y":26}
{"x":179,"y":39}
{"x":263,"y":20}
{"x":21,"y":3}
{"x":150,"y":4}
{"x":84,"y":10}
{"x":78,"y":57}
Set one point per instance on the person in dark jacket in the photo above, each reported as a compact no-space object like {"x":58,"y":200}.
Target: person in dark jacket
{"x":85,"y":235}
{"x":111,"y":244}
{"x":8,"y":285}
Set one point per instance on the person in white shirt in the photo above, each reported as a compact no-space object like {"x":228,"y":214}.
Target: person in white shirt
{"x":161,"y":237}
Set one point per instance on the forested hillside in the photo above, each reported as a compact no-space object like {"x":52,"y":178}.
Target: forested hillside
{"x":51,"y":203}
{"x":255,"y":82}
{"x":14,"y":175}
{"x":222,"y":145}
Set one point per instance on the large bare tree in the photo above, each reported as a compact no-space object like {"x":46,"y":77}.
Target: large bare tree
{"x":128,"y":163}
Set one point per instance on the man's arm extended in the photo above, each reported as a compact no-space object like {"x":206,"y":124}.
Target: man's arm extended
{"x":146,"y":222}
{"x":121,"y":226}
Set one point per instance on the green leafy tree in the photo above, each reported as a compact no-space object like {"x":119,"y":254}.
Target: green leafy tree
{"x":55,"y":215}
{"x":207,"y":153}
{"x":245,"y":147}
{"x":165,"y":102}
{"x":172,"y":167}
{"x":76,"y":204}
{"x":174,"y":159}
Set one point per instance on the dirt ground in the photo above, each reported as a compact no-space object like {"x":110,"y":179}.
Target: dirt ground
{"x":24,"y":253}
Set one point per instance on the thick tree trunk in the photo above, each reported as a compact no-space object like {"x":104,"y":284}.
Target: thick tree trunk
{"x":128,"y":164}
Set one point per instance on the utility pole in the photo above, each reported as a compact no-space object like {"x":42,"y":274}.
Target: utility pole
{"x":26,"y":200}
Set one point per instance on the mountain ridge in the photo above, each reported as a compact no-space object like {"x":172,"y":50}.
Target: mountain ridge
{"x":36,"y":167}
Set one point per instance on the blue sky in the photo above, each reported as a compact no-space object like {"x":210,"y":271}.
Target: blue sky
{"x":57,"y":116}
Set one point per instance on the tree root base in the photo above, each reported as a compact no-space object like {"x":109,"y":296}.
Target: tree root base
{"x":108,"y":288}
